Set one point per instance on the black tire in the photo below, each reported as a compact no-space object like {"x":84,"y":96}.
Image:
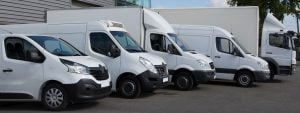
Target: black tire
{"x":272,"y":72}
{"x":245,"y":79}
{"x":184,"y":81}
{"x":55,"y":97}
{"x":130,"y":87}
{"x":196,"y":84}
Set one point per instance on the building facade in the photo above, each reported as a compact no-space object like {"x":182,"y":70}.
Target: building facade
{"x":33,"y":11}
{"x":144,"y":3}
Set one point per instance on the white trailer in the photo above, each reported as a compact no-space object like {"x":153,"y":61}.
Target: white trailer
{"x":154,"y":34}
{"x":243,"y":23}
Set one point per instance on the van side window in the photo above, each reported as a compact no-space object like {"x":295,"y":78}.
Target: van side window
{"x":101,"y":43}
{"x":19,"y":49}
{"x":279,"y":40}
{"x":224,"y":45}
{"x":157,"y":42}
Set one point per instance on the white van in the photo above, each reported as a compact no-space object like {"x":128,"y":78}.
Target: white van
{"x":49,"y":70}
{"x":154,"y":34}
{"x":133,"y":70}
{"x":231,"y":60}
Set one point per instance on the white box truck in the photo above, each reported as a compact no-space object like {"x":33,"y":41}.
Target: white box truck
{"x":132,"y":69}
{"x":156,"y":35}
{"x":243,"y":23}
{"x":231,"y":60}
{"x":37,"y":68}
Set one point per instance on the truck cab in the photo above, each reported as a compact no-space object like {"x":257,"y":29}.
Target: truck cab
{"x":232,"y":61}
{"x":277,"y":47}
{"x":49,"y":70}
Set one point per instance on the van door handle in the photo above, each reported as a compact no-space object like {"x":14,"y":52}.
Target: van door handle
{"x":217,"y":57}
{"x":7,"y":70}
{"x":207,"y":55}
{"x":269,"y":53}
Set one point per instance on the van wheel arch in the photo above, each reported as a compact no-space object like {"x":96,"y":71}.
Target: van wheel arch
{"x":122,"y":76}
{"x":45,"y":84}
{"x":183,"y":70}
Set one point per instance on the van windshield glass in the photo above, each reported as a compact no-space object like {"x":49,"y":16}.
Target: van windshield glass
{"x":127,"y":42}
{"x":56,"y":46}
{"x":180,"y":43}
{"x":241,"y":46}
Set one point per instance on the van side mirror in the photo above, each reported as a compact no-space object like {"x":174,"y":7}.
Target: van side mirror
{"x":35,"y":56}
{"x":114,"y":51}
{"x":171,"y":49}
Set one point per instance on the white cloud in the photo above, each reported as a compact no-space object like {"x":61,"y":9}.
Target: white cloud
{"x":218,"y":3}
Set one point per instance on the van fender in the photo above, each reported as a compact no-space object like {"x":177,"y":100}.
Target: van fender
{"x":271,"y":60}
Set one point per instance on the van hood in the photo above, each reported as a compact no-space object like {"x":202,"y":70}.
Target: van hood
{"x":196,"y":55}
{"x":84,"y":60}
{"x":256,"y":58}
{"x":154,"y":59}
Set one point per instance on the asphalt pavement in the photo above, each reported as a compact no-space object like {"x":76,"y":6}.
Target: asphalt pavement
{"x":279,"y":96}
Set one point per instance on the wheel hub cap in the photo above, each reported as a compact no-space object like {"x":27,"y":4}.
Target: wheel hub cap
{"x":54,"y":97}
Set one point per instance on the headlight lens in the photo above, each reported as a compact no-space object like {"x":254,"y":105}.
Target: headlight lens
{"x":148,"y":65}
{"x":263,"y":66}
{"x":203,"y":64}
{"x":74,"y":67}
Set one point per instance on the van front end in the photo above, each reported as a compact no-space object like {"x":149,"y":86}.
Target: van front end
{"x":156,"y":74}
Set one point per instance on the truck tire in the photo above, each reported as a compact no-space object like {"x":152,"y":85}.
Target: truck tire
{"x":55,"y":97}
{"x":245,"y":79}
{"x":272,"y":72}
{"x":130,"y":87}
{"x":184,"y":81}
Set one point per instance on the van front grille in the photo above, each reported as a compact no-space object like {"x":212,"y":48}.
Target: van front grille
{"x":100,"y":73}
{"x":161,"y":69}
{"x":212,"y":66}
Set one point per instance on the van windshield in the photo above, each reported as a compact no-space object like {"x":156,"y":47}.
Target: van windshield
{"x":127,"y":42}
{"x":241,"y":46}
{"x":57,"y":47}
{"x":180,"y":43}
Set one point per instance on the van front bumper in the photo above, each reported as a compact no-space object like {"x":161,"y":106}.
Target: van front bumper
{"x":261,"y":76}
{"x":151,"y":81}
{"x":203,"y":76}
{"x":87,"y":89}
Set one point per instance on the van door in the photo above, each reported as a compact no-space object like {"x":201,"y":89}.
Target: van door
{"x":99,"y":45}
{"x":158,"y":46}
{"x":279,"y":48}
{"x":21,"y":78}
{"x":226,"y":62}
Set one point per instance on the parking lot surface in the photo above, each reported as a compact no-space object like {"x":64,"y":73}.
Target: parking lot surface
{"x":279,"y":96}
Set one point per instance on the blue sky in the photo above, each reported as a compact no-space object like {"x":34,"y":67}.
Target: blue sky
{"x":289,"y":20}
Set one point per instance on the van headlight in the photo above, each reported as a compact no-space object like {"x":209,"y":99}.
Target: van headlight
{"x":74,"y":67}
{"x":263,"y":66}
{"x":203,"y":64}
{"x":148,"y":65}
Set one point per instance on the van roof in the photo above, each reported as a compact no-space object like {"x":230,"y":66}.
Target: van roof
{"x":216,"y":29}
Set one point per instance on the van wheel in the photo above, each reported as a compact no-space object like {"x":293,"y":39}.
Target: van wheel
{"x":184,"y":81}
{"x":54,"y":97}
{"x":130,"y":87}
{"x":272,"y":72}
{"x":245,"y":79}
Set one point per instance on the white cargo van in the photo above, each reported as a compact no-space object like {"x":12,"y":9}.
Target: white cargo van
{"x":243,"y":22}
{"x":49,"y":70}
{"x":132,"y":69}
{"x":231,"y":60}
{"x":153,"y":33}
